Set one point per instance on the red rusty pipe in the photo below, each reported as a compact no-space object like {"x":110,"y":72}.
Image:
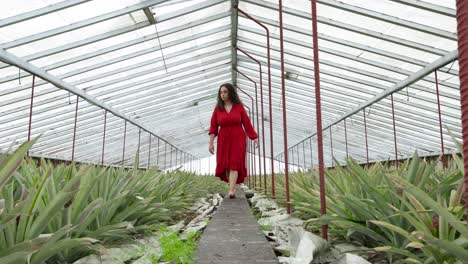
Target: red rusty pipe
{"x":269,"y":99}
{"x":323,"y":208}
{"x":444,"y":162}
{"x":462,"y":19}
{"x":263,"y":119}
{"x":251,"y":118}
{"x":258,"y":126}
{"x":30,"y":109}
{"x":283,"y":89}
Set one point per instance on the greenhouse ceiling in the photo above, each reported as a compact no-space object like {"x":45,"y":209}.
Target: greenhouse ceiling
{"x":155,"y":66}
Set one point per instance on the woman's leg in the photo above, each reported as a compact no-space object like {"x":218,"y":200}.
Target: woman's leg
{"x":232,"y":181}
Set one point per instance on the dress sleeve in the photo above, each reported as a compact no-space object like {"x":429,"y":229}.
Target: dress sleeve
{"x":249,"y":130}
{"x":214,"y":123}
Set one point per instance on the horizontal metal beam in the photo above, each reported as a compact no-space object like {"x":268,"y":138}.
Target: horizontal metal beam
{"x":90,"y":120}
{"x":359,"y":30}
{"x":126,"y":97}
{"x":390,"y":19}
{"x":13,"y":60}
{"x":102,"y":75}
{"x":357,"y":58}
{"x":413,"y":78}
{"x":40,"y":12}
{"x":111,"y":34}
{"x":378,"y":86}
{"x":428,"y":7}
{"x":81,"y":24}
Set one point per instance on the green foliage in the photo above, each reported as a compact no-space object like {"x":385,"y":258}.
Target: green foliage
{"x":56,"y":214}
{"x":414,"y":213}
{"x":177,"y":251}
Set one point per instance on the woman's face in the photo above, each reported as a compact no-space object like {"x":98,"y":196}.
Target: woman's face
{"x":224,"y":93}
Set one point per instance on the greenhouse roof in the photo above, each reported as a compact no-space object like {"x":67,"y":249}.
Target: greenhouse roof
{"x":155,"y":66}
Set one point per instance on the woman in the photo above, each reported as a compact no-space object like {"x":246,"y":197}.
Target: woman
{"x":230,"y":115}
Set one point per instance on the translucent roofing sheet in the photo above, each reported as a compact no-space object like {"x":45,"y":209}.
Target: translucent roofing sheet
{"x":166,"y":75}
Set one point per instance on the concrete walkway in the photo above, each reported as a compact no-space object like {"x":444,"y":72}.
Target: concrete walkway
{"x":233,"y":236}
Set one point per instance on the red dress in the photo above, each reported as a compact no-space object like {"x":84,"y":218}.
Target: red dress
{"x":231,"y":145}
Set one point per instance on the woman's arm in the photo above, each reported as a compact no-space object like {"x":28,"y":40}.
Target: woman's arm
{"x":249,"y":130}
{"x":213,"y":130}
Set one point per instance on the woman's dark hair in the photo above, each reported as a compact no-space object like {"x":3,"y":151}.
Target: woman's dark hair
{"x":232,"y":93}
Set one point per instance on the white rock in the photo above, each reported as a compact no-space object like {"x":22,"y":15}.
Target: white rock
{"x":283,"y":260}
{"x":294,"y":238}
{"x":266,"y":205}
{"x":309,"y":245}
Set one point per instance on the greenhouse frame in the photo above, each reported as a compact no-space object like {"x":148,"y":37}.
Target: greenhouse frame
{"x":103,"y":81}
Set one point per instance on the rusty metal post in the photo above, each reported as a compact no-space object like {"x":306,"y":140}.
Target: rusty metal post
{"x":444,"y":161}
{"x":323,"y":207}
{"x":269,"y":99}
{"x":283,"y":89}
{"x":31,"y":108}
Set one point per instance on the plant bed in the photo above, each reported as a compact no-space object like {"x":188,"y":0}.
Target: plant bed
{"x":59,"y":214}
{"x":413,"y":214}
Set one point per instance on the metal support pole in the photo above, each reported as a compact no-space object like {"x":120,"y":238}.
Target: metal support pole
{"x":165,"y":154}
{"x":283,"y":89}
{"x":251,"y":115}
{"x":269,"y":100}
{"x":139,"y":142}
{"x":149,"y":151}
{"x":30,"y":109}
{"x":74,"y":128}
{"x":303,"y":154}
{"x":263,"y":119}
{"x":298,"y":158}
{"x":323,"y":208}
{"x":125,"y":136}
{"x":444,"y":161}
{"x":104,"y":137}
{"x":365,"y":134}
{"x":346,"y":138}
{"x":157,"y":155}
{"x":331,"y":148}
{"x":258,"y":125}
{"x":292,"y":156}
{"x":170,"y":160}
{"x":462,"y":19}
{"x":394,"y":133}
{"x":311,"y":156}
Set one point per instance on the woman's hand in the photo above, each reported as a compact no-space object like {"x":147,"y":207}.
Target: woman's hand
{"x":211,"y":148}
{"x":256,"y":142}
